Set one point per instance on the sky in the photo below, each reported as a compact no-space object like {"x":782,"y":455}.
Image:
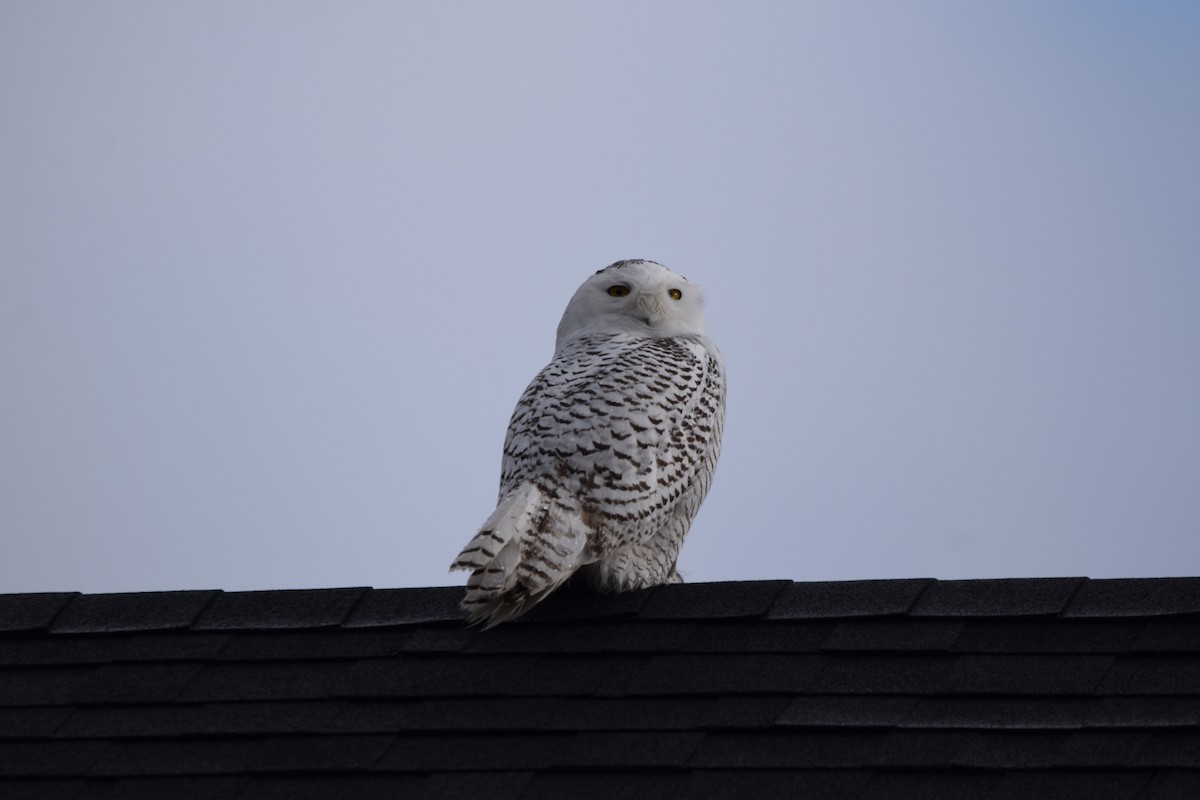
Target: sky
{"x":273,"y":275}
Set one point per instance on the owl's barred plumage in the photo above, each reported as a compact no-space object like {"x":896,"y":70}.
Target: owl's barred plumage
{"x":610,"y":451}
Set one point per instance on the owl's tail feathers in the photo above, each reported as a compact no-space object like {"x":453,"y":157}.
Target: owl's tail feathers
{"x":527,"y":548}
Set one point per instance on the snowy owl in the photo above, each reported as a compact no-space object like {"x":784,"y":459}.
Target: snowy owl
{"x":610,"y":450}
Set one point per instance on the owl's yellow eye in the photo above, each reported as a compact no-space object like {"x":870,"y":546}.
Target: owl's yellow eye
{"x":620,"y":290}
{"x":675,"y":294}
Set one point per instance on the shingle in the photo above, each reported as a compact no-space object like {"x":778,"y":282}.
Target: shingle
{"x":1173,"y":785}
{"x":1041,"y":635}
{"x":859,"y":711}
{"x":40,"y":789}
{"x":292,"y":608}
{"x":790,"y":748}
{"x":318,"y":753}
{"x":775,"y":784}
{"x":1104,"y":748}
{"x":45,"y":650}
{"x":1170,"y":635}
{"x":644,"y":749}
{"x":934,"y":785}
{"x":1076,"y":785}
{"x":439,"y":639}
{"x":1005,"y":597}
{"x":919,"y":748}
{"x":490,"y":785}
{"x":822,"y":599}
{"x":1153,"y":674}
{"x":758,"y":637}
{"x":744,"y":711}
{"x":31,"y":612}
{"x":726,"y":600}
{"x":424,"y":676}
{"x":626,"y":713}
{"x":48,"y":758}
{"x":319,"y":644}
{"x":382,"y":607}
{"x":278,"y":717}
{"x":140,"y":611}
{"x":605,"y":785}
{"x":353,"y":786}
{"x":54,"y":686}
{"x":1047,"y":749}
{"x":1144,"y":712}
{"x":109,"y":721}
{"x":539,"y":750}
{"x":210,"y":719}
{"x":576,"y":604}
{"x":1041,"y":713}
{"x":1004,"y":786}
{"x":1179,"y":748}
{"x":603,"y":674}
{"x":1028,"y":674}
{"x":1136,"y":597}
{"x":31,"y":723}
{"x":485,"y":751}
{"x":548,"y":638}
{"x":648,"y":637}
{"x":893,"y":674}
{"x":884,"y":635}
{"x":181,"y":646}
{"x":138,"y":683}
{"x":211,"y":787}
{"x":449,"y":714}
{"x":724,"y":673}
{"x":132,"y":757}
{"x":263,"y":681}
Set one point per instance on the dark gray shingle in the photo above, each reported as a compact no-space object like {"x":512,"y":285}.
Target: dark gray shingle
{"x":313,"y":608}
{"x":143,"y":611}
{"x":1006,"y":597}
{"x":1136,"y":597}
{"x":31,"y":612}
{"x":822,"y":599}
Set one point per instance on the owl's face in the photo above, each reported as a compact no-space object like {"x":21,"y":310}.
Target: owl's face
{"x":640,"y":297}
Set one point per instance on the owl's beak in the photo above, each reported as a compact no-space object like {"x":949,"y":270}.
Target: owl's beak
{"x":650,"y":310}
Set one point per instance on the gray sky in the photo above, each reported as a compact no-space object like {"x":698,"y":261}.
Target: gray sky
{"x":273,"y":274}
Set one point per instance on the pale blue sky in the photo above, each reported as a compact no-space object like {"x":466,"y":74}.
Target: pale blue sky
{"x":273,"y":274}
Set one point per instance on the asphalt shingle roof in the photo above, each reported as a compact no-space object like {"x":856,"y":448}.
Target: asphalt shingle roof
{"x":1068,"y":688}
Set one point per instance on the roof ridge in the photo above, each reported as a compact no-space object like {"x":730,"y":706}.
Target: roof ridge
{"x":769,"y":600}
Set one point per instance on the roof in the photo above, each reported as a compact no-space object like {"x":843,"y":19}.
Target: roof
{"x":1068,"y":688}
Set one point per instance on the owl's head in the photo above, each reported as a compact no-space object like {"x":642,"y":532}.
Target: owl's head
{"x":641,"y":297}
